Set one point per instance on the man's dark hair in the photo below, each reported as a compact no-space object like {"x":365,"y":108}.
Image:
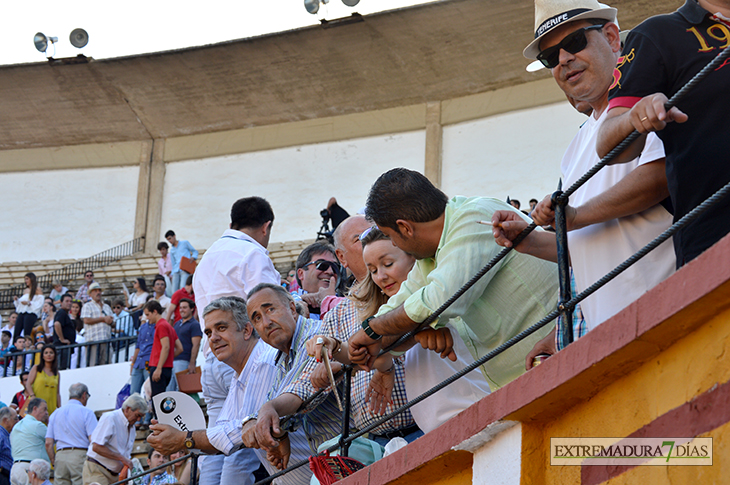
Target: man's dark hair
{"x":189,"y":280}
{"x":307,"y":253}
{"x":190,"y":302}
{"x":533,"y":200}
{"x":34,"y":403}
{"x":24,"y":373}
{"x":404,"y":194}
{"x":88,"y":271}
{"x":251,"y":213}
{"x":162,"y":244}
{"x":66,"y":295}
{"x":152,"y":450}
{"x":153,"y":306}
{"x":118,"y":302}
{"x":169,"y":233}
{"x":158,"y":277}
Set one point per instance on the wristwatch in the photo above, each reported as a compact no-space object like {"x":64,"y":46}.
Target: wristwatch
{"x":369,"y":331}
{"x":189,"y":441}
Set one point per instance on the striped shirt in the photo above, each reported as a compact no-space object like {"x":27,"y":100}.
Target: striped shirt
{"x":96,"y":331}
{"x":342,"y":322}
{"x":246,"y":395}
{"x":322,"y":417}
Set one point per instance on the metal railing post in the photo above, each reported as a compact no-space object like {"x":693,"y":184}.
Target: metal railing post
{"x":345,"y":445}
{"x":561,"y":235}
{"x":194,"y":469}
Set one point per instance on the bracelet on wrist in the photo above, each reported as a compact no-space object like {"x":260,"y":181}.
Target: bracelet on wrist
{"x":369,"y":331}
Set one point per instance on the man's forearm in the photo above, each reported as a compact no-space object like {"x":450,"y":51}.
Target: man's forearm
{"x":164,"y":352}
{"x":613,"y":131}
{"x":285,"y":404}
{"x":395,"y":322}
{"x":641,"y":189}
{"x":50,"y":451}
{"x":107,"y":453}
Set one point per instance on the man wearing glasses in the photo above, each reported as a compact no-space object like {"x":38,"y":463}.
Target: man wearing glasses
{"x":83,"y":293}
{"x":618,"y":210}
{"x":318,"y":272}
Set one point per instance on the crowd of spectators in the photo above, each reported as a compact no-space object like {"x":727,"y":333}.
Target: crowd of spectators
{"x":273,"y":341}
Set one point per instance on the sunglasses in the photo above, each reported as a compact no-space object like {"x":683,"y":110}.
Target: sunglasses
{"x":366,"y":232}
{"x":323,"y":265}
{"x":572,"y":44}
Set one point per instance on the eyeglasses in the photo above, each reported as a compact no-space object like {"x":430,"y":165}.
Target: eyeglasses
{"x":572,"y":43}
{"x":323,"y":265}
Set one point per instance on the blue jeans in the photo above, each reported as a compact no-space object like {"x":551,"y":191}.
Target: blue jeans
{"x":138,"y":378}
{"x":179,"y":279}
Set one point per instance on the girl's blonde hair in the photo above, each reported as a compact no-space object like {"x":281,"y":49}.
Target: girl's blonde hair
{"x":366,"y":294}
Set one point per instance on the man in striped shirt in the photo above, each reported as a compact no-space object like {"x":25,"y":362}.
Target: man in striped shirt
{"x":234,"y":342}
{"x":273,"y":314}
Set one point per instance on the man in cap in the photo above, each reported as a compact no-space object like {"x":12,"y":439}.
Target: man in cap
{"x":98,"y":320}
{"x":662,"y":55}
{"x":617,"y":211}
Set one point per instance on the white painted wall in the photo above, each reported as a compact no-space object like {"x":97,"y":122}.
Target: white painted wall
{"x":297,"y":181}
{"x":516,"y":154}
{"x":59,"y":214}
{"x":497,"y":462}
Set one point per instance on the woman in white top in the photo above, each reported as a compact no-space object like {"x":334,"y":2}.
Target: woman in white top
{"x":28,"y":306}
{"x":388,"y":268}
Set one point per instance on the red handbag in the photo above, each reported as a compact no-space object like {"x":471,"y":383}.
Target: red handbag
{"x":329,"y":469}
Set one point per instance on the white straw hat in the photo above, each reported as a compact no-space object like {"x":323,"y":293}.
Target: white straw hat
{"x":550,"y":14}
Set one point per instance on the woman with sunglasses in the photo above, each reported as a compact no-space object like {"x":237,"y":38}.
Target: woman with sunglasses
{"x":44,"y":380}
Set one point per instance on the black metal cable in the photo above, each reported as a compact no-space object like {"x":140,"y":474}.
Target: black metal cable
{"x":689,"y":217}
{"x":684,"y":221}
{"x":164,"y":465}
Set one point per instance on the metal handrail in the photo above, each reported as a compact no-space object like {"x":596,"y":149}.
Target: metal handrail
{"x":566,"y":303}
{"x":117,"y":344}
{"x":76,"y":269}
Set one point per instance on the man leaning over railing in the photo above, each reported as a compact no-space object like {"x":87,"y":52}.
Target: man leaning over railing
{"x":273,"y":313}
{"x":450,"y":247}
{"x":617,"y":211}
{"x":663,"y":54}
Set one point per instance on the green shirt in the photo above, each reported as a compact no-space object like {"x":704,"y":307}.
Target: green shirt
{"x":513,"y":295}
{"x":28,"y":440}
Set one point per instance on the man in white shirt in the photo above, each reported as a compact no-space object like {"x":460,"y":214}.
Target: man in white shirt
{"x":617,"y":211}
{"x":238,"y":261}
{"x":233,"y":266}
{"x":112,"y":441}
{"x":234,"y":342}
{"x":69,"y":429}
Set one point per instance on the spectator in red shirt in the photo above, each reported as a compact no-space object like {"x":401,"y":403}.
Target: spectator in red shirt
{"x":161,"y":357}
{"x":184,"y":292}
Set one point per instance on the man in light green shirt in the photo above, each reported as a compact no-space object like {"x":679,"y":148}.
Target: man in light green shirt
{"x":28,"y":440}
{"x":450,"y":247}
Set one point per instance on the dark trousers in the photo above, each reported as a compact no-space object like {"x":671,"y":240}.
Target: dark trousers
{"x":25,"y":324}
{"x":158,"y":387}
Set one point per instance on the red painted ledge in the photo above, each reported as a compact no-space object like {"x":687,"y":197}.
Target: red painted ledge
{"x":655,"y":321}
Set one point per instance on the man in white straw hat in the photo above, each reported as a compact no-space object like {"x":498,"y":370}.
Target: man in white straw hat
{"x":663,"y":54}
{"x":617,"y":211}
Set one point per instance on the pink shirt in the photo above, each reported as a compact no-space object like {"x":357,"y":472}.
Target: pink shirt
{"x":164,"y":265}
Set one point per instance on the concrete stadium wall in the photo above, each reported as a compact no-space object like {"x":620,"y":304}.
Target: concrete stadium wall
{"x":60,"y":214}
{"x":297,"y":181}
{"x":513,"y":154}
